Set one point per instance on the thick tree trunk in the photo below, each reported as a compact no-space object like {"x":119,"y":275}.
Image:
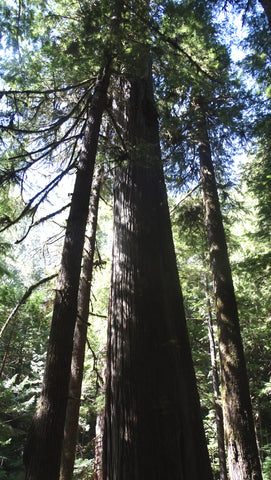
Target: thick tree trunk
{"x":153,"y":425}
{"x":79,"y":339}
{"x":266,"y":4}
{"x":44,"y":444}
{"x":216,"y":388}
{"x":242,"y":449}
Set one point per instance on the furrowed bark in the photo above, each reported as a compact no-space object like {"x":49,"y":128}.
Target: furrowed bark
{"x":153,"y":425}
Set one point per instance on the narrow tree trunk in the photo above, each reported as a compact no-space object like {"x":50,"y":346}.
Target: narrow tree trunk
{"x":243,"y":455}
{"x":99,"y":431}
{"x":7,"y":348}
{"x":216,"y":388}
{"x":43,"y":450}
{"x":153,"y":425}
{"x":79,"y":339}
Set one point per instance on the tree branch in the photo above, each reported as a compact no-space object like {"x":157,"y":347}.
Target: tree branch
{"x":44,"y":192}
{"x":24,"y":298}
{"x":49,"y":91}
{"x":41,"y":220}
{"x":173,"y":43}
{"x":185,"y":197}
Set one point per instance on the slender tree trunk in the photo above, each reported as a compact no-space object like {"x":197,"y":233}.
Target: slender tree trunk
{"x":43,"y":450}
{"x":216,"y":388}
{"x":7,"y":348}
{"x":99,"y":431}
{"x":153,"y":424}
{"x":79,"y":339}
{"x":243,"y":457}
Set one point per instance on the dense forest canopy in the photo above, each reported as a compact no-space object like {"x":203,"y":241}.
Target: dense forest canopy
{"x":100,"y":102}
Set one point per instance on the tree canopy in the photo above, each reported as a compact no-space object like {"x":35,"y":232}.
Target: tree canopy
{"x":67,"y":73}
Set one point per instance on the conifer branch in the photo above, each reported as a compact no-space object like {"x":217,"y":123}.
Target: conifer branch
{"x":54,"y":126}
{"x":175,"y":44}
{"x":91,"y":82}
{"x":24,"y":298}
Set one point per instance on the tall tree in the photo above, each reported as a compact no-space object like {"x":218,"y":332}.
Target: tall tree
{"x":192,"y":256}
{"x":243,"y":456}
{"x":43,"y":450}
{"x":153,"y":425}
{"x":80,"y":337}
{"x":223,"y":475}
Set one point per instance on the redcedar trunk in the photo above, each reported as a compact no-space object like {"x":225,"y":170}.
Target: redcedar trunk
{"x":43,"y":450}
{"x":80,"y":337}
{"x":243,"y":458}
{"x":153,"y":425}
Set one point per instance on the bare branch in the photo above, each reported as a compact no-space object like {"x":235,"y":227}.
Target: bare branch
{"x":99,"y":380}
{"x":43,"y":219}
{"x":44,"y":193}
{"x":97,"y":315}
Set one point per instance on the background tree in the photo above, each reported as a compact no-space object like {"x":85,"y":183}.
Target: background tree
{"x":242,"y":454}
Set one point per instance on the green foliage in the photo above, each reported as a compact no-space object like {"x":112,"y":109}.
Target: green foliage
{"x":83,"y":469}
{"x":17,"y":406}
{"x":52,"y":53}
{"x":267,"y":462}
{"x":251,"y":273}
{"x":194,"y":272}
{"x":22,"y":356}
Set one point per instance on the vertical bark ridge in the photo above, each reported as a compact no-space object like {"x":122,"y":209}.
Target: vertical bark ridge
{"x":153,"y":425}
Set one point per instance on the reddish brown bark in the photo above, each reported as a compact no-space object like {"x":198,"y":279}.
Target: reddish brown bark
{"x":153,"y":425}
